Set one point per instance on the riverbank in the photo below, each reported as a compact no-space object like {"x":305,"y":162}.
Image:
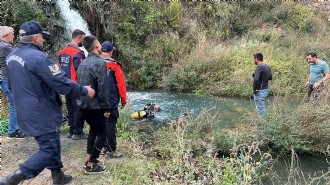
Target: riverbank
{"x":196,"y":149}
{"x":176,"y":154}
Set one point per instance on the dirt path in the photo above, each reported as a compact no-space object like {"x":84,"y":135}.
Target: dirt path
{"x":15,"y":152}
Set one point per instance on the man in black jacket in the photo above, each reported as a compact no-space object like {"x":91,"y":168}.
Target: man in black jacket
{"x":117,"y":93}
{"x":261,"y":77}
{"x":93,"y":71}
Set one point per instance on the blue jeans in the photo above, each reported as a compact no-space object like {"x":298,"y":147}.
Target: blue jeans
{"x":48,"y":156}
{"x":260,"y":101}
{"x":13,"y":124}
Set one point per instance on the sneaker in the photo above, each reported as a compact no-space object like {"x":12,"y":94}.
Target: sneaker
{"x":95,"y":161}
{"x":114,"y":154}
{"x":103,"y":151}
{"x":16,"y":135}
{"x":69,"y":135}
{"x":78,"y":136}
{"x":94,"y":169}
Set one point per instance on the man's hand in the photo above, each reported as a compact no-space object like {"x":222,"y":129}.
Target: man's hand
{"x":123,"y":105}
{"x":255,"y":92}
{"x":316,"y":85}
{"x":90,"y":91}
{"x":107,"y":114}
{"x":307,"y":83}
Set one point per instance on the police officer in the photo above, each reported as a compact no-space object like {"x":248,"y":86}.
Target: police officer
{"x":35,"y":82}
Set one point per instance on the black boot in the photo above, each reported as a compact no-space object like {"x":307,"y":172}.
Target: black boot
{"x":59,"y":178}
{"x":13,"y":179}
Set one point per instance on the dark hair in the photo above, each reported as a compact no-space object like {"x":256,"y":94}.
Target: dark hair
{"x":259,"y":56}
{"x":88,"y":43}
{"x":76,"y":33}
{"x":312,"y":54}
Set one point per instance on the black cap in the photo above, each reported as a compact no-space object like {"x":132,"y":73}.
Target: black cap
{"x":31,"y":28}
{"x":107,"y":46}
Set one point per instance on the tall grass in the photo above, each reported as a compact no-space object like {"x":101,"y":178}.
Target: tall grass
{"x":223,"y":68}
{"x":296,"y":175}
{"x":181,"y":153}
{"x":303,"y":127}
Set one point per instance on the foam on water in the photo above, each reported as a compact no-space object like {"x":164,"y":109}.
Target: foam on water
{"x":73,"y":20}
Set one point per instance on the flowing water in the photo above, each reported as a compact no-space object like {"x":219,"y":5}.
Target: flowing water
{"x":228,"y":111}
{"x":73,"y":19}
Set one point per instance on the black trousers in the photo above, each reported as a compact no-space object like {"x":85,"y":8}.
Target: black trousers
{"x":111,"y":130}
{"x":313,"y":94}
{"x":96,"y":135}
{"x":76,"y":120}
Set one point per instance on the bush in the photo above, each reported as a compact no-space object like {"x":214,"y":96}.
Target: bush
{"x":301,"y":18}
{"x":225,"y":70}
{"x":4,"y":127}
{"x":207,"y":48}
{"x":227,"y":139}
{"x":125,"y":130}
{"x":14,"y":13}
{"x":302,"y":128}
{"x":187,"y":156}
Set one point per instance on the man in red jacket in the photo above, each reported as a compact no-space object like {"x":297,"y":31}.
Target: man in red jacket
{"x":117,"y":93}
{"x":69,"y":58}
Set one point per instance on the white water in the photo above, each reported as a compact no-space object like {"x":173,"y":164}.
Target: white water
{"x":73,"y":19}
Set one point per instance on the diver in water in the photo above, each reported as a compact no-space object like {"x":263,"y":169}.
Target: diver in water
{"x":148,"y":111}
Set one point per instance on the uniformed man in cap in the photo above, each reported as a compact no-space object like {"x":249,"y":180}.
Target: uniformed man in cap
{"x":36,"y":82}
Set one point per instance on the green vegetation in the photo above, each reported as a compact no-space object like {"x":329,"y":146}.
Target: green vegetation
{"x":14,"y":13}
{"x":207,"y":48}
{"x":4,"y":127}
{"x":302,"y":129}
{"x":180,"y":154}
{"x":288,"y":126}
{"x":203,"y":47}
{"x":4,"y":114}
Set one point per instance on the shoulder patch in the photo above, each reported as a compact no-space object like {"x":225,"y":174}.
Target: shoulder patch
{"x":54,"y":69}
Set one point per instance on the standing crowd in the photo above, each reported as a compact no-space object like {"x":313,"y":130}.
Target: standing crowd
{"x":93,"y":86}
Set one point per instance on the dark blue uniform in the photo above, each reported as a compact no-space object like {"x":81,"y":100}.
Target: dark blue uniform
{"x":35,"y":81}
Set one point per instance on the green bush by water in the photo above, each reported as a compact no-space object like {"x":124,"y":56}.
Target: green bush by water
{"x":182,"y":153}
{"x":302,"y":128}
{"x":14,"y":13}
{"x":207,"y":48}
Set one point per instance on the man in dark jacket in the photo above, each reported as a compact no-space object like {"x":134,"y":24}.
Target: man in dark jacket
{"x":6,"y":38}
{"x":35,"y":81}
{"x":261,"y":77}
{"x":92,"y":71}
{"x":117,"y":93}
{"x":69,"y":58}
